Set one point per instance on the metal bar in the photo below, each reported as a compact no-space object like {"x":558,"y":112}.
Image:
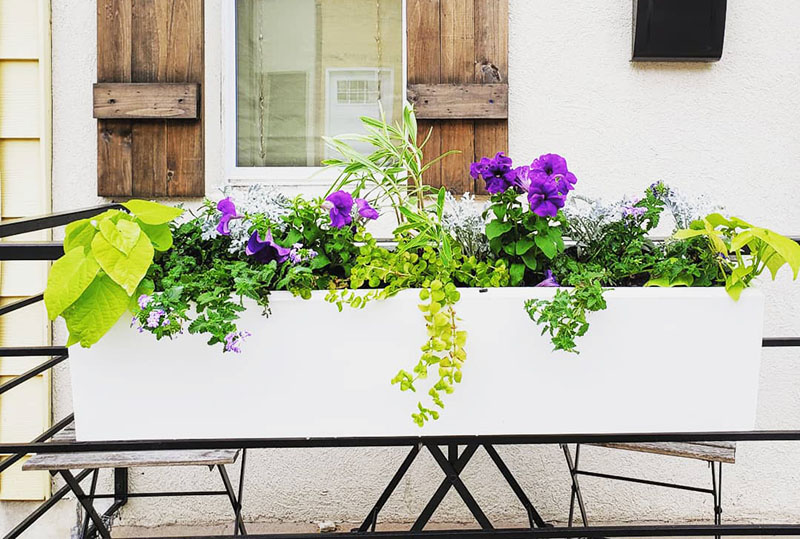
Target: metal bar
{"x":533,"y":515}
{"x":33,"y":351}
{"x":395,"y":441}
{"x":11,"y":307}
{"x":37,"y":513}
{"x":441,"y":492}
{"x":43,"y":222}
{"x":121,"y":493}
{"x":240,"y":497}
{"x":372,"y":518}
{"x":87,"y":505}
{"x":92,"y":491}
{"x":742,"y":530}
{"x":780,"y":342}
{"x":108,"y":513}
{"x":576,"y":486}
{"x":14,"y":382}
{"x":645,"y":482}
{"x":46,"y":435}
{"x":238,"y":522}
{"x":38,"y":250}
{"x":461,"y":488}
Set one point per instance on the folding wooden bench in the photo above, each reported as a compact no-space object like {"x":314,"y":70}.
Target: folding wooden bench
{"x":715,"y":453}
{"x":90,"y":463}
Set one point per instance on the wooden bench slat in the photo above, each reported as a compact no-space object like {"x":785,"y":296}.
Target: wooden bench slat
{"x":80,"y":461}
{"x":709,"y":451}
{"x":129,"y":459}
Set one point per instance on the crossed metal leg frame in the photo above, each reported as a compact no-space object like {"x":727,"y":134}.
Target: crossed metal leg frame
{"x":99,"y":524}
{"x":577,"y":496}
{"x":452,"y":465}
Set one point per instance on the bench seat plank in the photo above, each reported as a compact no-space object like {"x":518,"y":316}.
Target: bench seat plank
{"x":126,"y":459}
{"x":82,"y":461}
{"x":708,"y":451}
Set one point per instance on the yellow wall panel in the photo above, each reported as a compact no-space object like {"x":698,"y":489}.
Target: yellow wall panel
{"x":25,"y":327}
{"x":24,"y":192}
{"x":18,"y":485}
{"x":19,"y":29}
{"x":20,"y":99}
{"x":24,"y":414}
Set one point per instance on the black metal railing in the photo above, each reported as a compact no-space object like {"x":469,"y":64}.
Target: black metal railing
{"x":452,"y":464}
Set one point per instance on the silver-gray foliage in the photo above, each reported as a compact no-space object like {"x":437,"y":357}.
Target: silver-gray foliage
{"x":463,"y":219}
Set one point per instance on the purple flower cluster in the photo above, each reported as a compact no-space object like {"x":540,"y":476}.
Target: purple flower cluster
{"x":547,"y":180}
{"x":234,"y":339}
{"x":228,"y":209}
{"x":154,"y":319}
{"x":144,"y":300}
{"x":299,"y":254}
{"x":340,"y":208}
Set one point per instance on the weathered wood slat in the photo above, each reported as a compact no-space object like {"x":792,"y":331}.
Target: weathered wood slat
{"x":459,"y":101}
{"x":76,"y":461}
{"x":82,"y":461}
{"x":708,"y":451}
{"x":172,"y":101}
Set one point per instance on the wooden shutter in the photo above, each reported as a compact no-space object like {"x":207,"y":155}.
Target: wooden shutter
{"x":458,"y":81}
{"x":150,"y":137}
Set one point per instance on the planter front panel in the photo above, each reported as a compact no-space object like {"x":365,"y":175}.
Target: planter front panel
{"x":657,"y":360}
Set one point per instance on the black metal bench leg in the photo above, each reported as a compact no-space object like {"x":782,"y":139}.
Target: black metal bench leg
{"x":575,"y":490}
{"x":534,"y":519}
{"x":452,"y":473}
{"x":716,"y":481}
{"x":445,"y":486}
{"x":371,"y":521}
{"x":238,"y":524}
{"x":92,"y":490}
{"x":87,"y":504}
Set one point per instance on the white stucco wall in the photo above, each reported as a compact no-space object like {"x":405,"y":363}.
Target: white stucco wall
{"x":728,"y":128}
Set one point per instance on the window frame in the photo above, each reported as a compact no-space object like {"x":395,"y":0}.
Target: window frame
{"x":277,"y":176}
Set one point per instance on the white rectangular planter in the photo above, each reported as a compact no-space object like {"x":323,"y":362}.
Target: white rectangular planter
{"x":657,"y":360}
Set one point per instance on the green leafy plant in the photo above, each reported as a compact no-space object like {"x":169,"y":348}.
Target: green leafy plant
{"x":102,"y":272}
{"x":743,"y":251}
{"x":526,"y":241}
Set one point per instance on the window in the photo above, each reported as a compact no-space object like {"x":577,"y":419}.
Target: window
{"x":301,"y":70}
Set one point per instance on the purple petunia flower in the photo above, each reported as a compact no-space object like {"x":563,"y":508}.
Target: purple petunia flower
{"x":228,"y":209}
{"x":549,"y":280}
{"x":266,"y":250}
{"x":497,"y":173}
{"x":365,"y":210}
{"x":554,"y":167}
{"x":233,"y":341}
{"x":544,"y":197}
{"x":339,"y":205}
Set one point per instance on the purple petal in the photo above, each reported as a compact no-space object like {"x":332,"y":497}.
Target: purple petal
{"x":549,"y":280}
{"x":365,"y":210}
{"x":226,"y":206}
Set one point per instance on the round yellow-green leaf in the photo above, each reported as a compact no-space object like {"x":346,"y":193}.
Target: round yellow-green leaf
{"x":96,"y":311}
{"x":69,"y":276}
{"x":152,"y":213}
{"x":123,"y":235}
{"x":125,"y":270}
{"x":160,"y":235}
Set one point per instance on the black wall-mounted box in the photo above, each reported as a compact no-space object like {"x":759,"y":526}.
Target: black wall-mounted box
{"x":678,"y":30}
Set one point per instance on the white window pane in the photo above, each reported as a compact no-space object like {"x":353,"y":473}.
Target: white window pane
{"x":311,"y":68}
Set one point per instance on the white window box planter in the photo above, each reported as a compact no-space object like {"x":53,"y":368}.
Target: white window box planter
{"x":657,"y":360}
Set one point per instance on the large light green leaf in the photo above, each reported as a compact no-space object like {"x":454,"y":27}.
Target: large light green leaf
{"x":69,"y":276}
{"x":80,"y":233}
{"x":495,"y":229}
{"x":96,"y":311}
{"x":152,"y":213}
{"x":123,"y":235}
{"x":686,"y":233}
{"x":788,"y":249}
{"x":160,"y":236}
{"x":126,"y":270}
{"x":773,"y":261}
